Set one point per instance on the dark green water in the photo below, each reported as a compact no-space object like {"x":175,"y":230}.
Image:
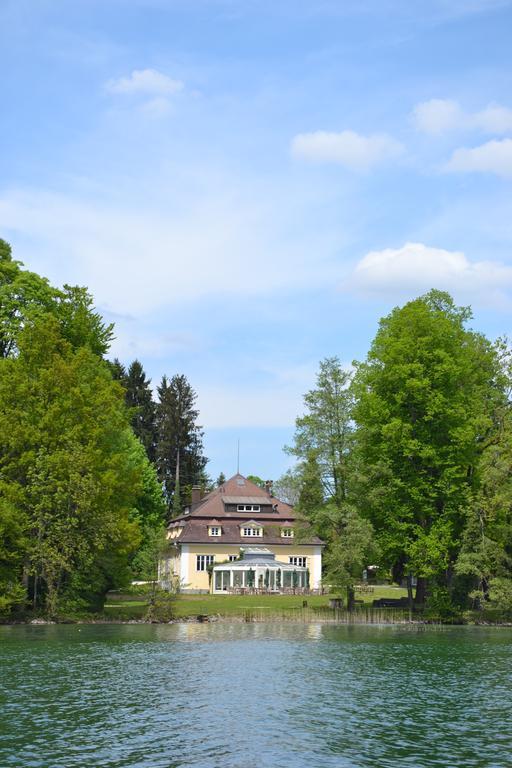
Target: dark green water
{"x":255,"y":696}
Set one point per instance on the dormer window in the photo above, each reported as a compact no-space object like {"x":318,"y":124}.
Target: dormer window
{"x":214,"y":530}
{"x":252,"y":531}
{"x":248,"y":507}
{"x":287,"y":533}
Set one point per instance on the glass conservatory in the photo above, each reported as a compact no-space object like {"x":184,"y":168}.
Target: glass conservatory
{"x":258,"y":571}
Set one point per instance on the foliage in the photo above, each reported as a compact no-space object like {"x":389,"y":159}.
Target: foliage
{"x":287,"y":488}
{"x":311,"y":490}
{"x":68,"y":467}
{"x":25,"y":296}
{"x":13,"y":543}
{"x":179,"y":448}
{"x":161,"y":606}
{"x":256,"y":480}
{"x":325,"y":430}
{"x":351,"y":546}
{"x":424,"y":403}
{"x":139,"y":399}
{"x":500,"y":594}
{"x":145,"y":565}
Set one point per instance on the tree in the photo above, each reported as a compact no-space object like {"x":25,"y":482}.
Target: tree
{"x":256,"y":480}
{"x":311,"y":490}
{"x":25,"y":296}
{"x":287,"y":488}
{"x":179,"y":448}
{"x":351,"y":546}
{"x":13,"y":545}
{"x":486,"y":546}
{"x":425,"y":398}
{"x":69,"y":467}
{"x":326,"y":428}
{"x":139,"y":398}
{"x":21,"y":293}
{"x":117,"y":370}
{"x":221,"y":479}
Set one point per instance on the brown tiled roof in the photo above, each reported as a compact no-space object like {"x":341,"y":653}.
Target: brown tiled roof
{"x":273,"y":514}
{"x":213,"y":504}
{"x":196,"y":531}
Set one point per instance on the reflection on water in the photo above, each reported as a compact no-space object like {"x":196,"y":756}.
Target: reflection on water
{"x":255,"y":695}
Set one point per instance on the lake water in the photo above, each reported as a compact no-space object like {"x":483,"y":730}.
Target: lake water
{"x":255,"y":696}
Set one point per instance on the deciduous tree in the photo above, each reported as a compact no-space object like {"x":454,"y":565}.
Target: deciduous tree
{"x":425,"y":398}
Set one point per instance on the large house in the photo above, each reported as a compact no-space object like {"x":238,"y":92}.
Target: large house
{"x":238,"y":517}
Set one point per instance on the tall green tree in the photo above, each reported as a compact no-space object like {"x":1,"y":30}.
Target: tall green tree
{"x":179,"y":446}
{"x":325,"y":429}
{"x":425,"y":398}
{"x":485,"y":556}
{"x":68,"y":467}
{"x":139,"y":398}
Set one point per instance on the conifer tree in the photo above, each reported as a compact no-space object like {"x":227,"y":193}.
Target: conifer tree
{"x":117,"y":370}
{"x":179,"y":447}
{"x":139,"y":399}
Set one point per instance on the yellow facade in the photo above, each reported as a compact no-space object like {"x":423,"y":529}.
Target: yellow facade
{"x":185,"y":569}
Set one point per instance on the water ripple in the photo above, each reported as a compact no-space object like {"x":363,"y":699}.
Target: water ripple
{"x":257,"y":696}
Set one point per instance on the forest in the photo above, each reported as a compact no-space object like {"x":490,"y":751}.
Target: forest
{"x":402,"y":462}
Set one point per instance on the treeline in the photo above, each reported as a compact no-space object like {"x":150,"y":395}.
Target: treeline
{"x":405,"y":461}
{"x":90,"y":466}
{"x":167,"y":428}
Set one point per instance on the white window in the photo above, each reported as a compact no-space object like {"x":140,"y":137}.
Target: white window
{"x":287,"y":533}
{"x":300,"y":561}
{"x":232,"y":558}
{"x":203,"y":561}
{"x":248,"y":507}
{"x":252,"y":532}
{"x":214,"y":530}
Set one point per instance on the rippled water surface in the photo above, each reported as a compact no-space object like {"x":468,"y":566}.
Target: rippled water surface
{"x":254,"y":695}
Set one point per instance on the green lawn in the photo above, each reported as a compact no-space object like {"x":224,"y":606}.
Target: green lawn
{"x":131,"y":606}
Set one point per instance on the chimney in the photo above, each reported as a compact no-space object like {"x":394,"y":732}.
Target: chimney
{"x":196,"y":495}
{"x":268,"y":487}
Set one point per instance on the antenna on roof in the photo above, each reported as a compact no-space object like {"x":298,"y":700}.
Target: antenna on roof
{"x":238,"y":458}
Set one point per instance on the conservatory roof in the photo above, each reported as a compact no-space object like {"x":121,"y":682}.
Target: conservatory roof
{"x":244,"y":565}
{"x":257,"y":557}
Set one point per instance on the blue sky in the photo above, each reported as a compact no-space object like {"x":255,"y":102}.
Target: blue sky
{"x":248,"y":186}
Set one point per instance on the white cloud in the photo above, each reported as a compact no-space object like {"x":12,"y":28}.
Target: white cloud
{"x":136,"y":260}
{"x":492,"y":157}
{"x":347,"y":148}
{"x":145,"y":81}
{"x":439,"y":116}
{"x":415,"y":268}
{"x":157,"y":107}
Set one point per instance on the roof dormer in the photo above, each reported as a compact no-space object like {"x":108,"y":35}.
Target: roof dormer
{"x":251,"y":528}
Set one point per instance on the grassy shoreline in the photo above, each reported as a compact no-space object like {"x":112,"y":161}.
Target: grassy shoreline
{"x":132,"y":608}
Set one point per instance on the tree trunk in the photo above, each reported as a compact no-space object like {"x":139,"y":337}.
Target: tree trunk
{"x":410,"y":597}
{"x":421,"y":591}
